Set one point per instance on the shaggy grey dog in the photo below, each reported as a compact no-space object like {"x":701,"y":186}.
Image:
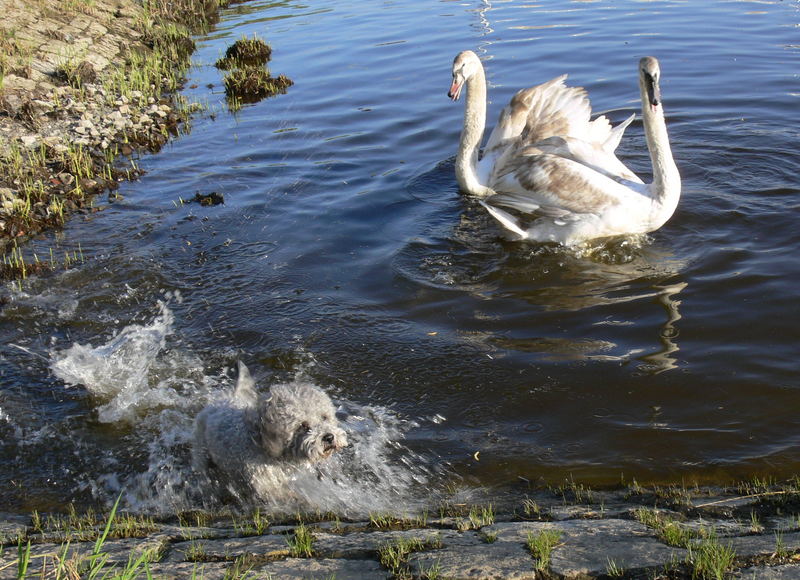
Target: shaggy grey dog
{"x":251,"y":438}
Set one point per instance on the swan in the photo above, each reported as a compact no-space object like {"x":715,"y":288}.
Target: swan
{"x":548,"y":161}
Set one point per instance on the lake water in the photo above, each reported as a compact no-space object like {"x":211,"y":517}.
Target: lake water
{"x":345,"y":255}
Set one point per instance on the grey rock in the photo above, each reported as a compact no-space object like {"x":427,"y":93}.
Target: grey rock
{"x":322,"y":569}
{"x":783,"y":572}
{"x":11,"y":527}
{"x":506,"y":560}
{"x":189,"y":570}
{"x":722,"y":528}
{"x":30,"y":141}
{"x":763,"y":544}
{"x":367,"y":544}
{"x":589,"y":547}
{"x":189,"y":533}
{"x":270,"y":546}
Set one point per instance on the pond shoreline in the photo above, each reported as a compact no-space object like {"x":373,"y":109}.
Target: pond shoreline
{"x":84,"y":88}
{"x":571,"y":532}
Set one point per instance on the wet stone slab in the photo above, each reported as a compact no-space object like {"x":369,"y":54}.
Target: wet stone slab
{"x":506,"y":560}
{"x":783,"y":572}
{"x":360,"y":545}
{"x":591,"y":547}
{"x":267,"y":547}
{"x":189,"y":571}
{"x":321,"y":569}
{"x":764,"y":544}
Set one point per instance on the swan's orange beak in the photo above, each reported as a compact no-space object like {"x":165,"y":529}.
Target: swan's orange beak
{"x":455,"y":89}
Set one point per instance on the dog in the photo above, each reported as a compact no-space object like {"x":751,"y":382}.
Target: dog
{"x":249,"y":435}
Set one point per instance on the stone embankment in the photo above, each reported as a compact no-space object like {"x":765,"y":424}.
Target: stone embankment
{"x":83,"y":84}
{"x":590,"y":535}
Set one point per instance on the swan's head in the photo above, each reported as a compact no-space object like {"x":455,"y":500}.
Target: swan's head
{"x":649,"y":74}
{"x":465,"y":65}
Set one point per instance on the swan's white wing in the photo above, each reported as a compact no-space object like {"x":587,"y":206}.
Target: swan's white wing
{"x":547,"y":184}
{"x":558,"y":110}
{"x":593,"y":155}
{"x":553,"y":110}
{"x":514,"y":116}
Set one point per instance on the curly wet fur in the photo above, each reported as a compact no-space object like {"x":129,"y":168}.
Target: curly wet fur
{"x":240,"y":436}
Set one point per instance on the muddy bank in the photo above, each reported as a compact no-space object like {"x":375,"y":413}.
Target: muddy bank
{"x":84,"y":86}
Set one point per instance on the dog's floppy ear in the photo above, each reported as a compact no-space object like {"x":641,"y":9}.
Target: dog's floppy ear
{"x":245,"y":387}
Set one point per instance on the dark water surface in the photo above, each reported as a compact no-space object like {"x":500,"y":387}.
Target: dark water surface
{"x":344,"y":254}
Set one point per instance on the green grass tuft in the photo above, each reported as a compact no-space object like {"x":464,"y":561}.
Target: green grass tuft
{"x":542,"y":545}
{"x":301,"y":544}
{"x":245,"y":52}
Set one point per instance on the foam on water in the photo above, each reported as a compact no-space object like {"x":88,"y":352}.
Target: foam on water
{"x":152,"y":392}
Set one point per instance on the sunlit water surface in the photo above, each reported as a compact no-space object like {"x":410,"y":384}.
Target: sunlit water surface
{"x":345,"y":255}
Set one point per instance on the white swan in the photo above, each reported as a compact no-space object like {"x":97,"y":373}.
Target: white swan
{"x":547,"y":160}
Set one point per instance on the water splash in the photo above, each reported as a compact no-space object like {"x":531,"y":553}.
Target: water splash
{"x":118,"y":372}
{"x":151,"y":393}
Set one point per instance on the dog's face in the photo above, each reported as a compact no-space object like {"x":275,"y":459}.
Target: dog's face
{"x":298,"y":422}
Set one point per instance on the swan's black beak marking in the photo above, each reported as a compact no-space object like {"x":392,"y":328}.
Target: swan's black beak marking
{"x":653,"y":90}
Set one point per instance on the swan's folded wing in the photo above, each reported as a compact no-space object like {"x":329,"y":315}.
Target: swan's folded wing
{"x":593,"y":155}
{"x":558,"y":184}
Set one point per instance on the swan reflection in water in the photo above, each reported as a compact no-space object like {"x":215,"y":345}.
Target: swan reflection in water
{"x":585,"y":308}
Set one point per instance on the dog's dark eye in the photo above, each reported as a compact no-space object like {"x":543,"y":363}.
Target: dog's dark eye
{"x":324,"y":417}
{"x":305,"y":426}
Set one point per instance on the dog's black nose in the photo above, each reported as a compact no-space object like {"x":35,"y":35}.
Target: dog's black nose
{"x":328,"y":438}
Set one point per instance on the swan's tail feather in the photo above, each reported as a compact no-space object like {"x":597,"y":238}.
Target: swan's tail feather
{"x":507,"y":220}
{"x":612,"y":142}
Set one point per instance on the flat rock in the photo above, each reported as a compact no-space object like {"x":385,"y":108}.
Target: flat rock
{"x":589,"y":547}
{"x":322,"y":569}
{"x":11,"y":527}
{"x":227,"y":549}
{"x":506,"y":560}
{"x":763,"y":544}
{"x":783,"y":572}
{"x":190,"y":570}
{"x":367,"y":544}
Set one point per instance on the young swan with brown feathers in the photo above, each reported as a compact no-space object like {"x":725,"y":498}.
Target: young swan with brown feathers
{"x":248,"y":433}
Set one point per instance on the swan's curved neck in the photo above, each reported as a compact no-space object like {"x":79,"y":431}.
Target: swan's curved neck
{"x":666,"y":186}
{"x":471,"y":135}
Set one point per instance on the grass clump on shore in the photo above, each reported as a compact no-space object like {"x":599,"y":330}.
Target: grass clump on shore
{"x":71,"y":563}
{"x":709,"y":559}
{"x":394,"y":555}
{"x":245,"y":52}
{"x":248,"y":80}
{"x":478,"y":517}
{"x":666,"y":527}
{"x":254,"y":83}
{"x":301,"y":544}
{"x":382,"y":521}
{"x":541,"y":546}
{"x":45,"y":179}
{"x":73,"y":526}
